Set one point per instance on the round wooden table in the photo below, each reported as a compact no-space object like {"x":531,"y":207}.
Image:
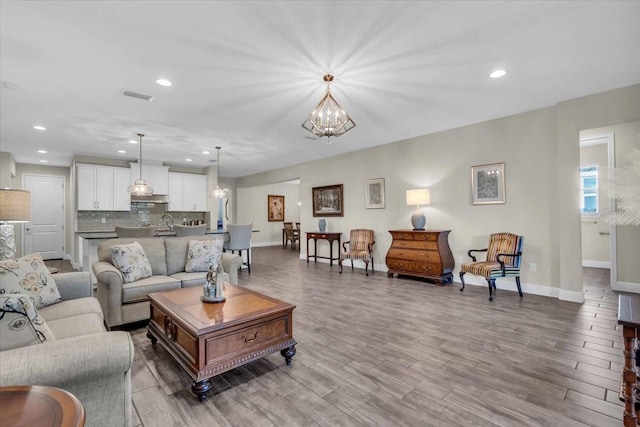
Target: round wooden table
{"x":36,"y":406}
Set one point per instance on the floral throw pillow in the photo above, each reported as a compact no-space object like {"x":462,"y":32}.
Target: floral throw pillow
{"x":132,"y":262}
{"x":29,"y":276}
{"x":20,"y":324}
{"x":202,"y":254}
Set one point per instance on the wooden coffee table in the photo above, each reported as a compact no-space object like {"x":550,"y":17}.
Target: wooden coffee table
{"x":207,"y":339}
{"x":34,"y":406}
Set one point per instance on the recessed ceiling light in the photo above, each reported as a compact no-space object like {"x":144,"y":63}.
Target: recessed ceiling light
{"x":189,"y":160}
{"x":497,"y":73}
{"x":164,"y":82}
{"x":122,"y":152}
{"x":42,"y":151}
{"x":44,"y":161}
{"x":205,"y":152}
{"x":133,"y":141}
{"x":38,"y":127}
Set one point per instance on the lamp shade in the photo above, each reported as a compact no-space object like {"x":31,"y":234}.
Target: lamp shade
{"x":15,"y":205}
{"x":420,"y":196}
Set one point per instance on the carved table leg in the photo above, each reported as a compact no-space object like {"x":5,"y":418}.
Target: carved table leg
{"x":629,"y":376}
{"x":201,"y":388}
{"x":152,"y":338}
{"x":288,"y":353}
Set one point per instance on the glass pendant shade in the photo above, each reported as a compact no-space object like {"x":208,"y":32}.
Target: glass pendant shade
{"x":140,"y":186}
{"x":219,"y":192}
{"x":328,"y":118}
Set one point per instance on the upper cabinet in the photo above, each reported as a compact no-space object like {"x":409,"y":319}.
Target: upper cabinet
{"x":103,"y":188}
{"x":187,"y":192}
{"x":157,"y":176}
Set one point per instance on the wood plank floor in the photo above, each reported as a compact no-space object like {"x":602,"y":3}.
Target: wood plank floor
{"x":402,"y":352}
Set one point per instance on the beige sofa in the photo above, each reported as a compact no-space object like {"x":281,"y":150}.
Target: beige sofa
{"x":84,"y":359}
{"x":124,"y":303}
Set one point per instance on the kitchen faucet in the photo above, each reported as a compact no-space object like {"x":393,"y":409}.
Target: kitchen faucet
{"x":169,"y":222}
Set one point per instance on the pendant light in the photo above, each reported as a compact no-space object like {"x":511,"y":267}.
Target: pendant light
{"x":328,"y":118}
{"x":219,"y":192}
{"x":140,"y":186}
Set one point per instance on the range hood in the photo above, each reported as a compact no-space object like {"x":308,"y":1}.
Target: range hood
{"x":154,"y":198}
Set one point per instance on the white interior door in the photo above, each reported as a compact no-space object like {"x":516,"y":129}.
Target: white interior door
{"x":45,"y":232}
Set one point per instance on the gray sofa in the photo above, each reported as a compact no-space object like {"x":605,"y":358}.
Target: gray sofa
{"x":84,"y":359}
{"x":124,"y":303}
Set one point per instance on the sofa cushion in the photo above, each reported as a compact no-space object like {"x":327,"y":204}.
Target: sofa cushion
{"x":195,"y":279}
{"x":153,"y":248}
{"x":138,"y":291}
{"x":20,"y":323}
{"x":132,"y":262}
{"x":177,"y":249}
{"x":203,"y":254}
{"x":28,"y":275}
{"x":77,"y":326}
{"x":74,"y":307}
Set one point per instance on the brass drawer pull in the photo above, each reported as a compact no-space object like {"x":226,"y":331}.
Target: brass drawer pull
{"x":248,"y":340}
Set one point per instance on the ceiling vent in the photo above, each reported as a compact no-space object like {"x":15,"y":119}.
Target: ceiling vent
{"x":138,"y":95}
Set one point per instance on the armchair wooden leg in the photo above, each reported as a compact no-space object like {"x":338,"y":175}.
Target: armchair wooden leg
{"x":519,"y":287}
{"x":371,"y":265}
{"x":492,"y":285}
{"x":366,"y":268}
{"x":351,"y":264}
{"x":340,"y":264}
{"x":462,"y":280}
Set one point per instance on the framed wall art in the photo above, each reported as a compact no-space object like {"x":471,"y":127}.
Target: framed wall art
{"x":275,"y":208}
{"x":488,"y":184}
{"x":374,"y":193}
{"x":328,"y":200}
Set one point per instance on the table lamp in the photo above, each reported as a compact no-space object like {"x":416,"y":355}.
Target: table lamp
{"x":15,"y":207}
{"x":418,"y":197}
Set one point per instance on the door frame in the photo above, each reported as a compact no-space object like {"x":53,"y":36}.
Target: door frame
{"x":611,"y":164}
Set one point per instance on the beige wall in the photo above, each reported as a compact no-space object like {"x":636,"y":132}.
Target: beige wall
{"x":541,"y":153}
{"x":7,"y":171}
{"x":626,"y":140}
{"x":252,"y":208}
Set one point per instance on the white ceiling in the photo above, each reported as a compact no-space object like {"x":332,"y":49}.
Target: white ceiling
{"x":246,"y":74}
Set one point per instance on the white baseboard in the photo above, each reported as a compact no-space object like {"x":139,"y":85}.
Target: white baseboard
{"x":627,"y":287}
{"x":596,"y":264}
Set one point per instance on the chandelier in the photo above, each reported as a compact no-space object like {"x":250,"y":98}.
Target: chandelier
{"x":219,"y":192}
{"x":328,"y":118}
{"x":140,"y":186}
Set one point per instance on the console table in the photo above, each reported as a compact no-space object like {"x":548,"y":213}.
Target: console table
{"x":330,"y":237}
{"x":629,"y":318}
{"x":421,"y":253}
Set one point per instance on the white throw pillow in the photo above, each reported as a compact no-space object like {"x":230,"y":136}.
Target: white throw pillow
{"x":29,"y":276}
{"x":202,"y":254}
{"x":131,"y":261}
{"x":20,"y":324}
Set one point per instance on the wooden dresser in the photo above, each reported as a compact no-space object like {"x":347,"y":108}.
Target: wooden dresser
{"x":422,"y":254}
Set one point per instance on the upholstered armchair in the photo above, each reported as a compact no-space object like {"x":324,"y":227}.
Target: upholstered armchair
{"x":360,"y":243}
{"x":503,"y":260}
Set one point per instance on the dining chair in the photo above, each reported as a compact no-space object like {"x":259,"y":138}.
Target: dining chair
{"x":124,"y":231}
{"x":190,"y":230}
{"x":239,"y":240}
{"x":290,"y":234}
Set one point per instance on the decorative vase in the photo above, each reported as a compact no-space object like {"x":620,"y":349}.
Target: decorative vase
{"x":322,"y":225}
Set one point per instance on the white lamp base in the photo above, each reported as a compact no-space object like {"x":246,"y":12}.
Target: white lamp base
{"x":418,"y":220}
{"x":7,"y":242}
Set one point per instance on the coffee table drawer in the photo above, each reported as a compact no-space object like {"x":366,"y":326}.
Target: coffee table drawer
{"x":246,"y":340}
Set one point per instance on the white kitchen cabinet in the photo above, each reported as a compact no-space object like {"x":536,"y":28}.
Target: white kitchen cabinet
{"x":102,"y":188}
{"x":187,"y":192}
{"x":157,"y":176}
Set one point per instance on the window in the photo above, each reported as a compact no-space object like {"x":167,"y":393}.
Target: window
{"x":589,"y":189}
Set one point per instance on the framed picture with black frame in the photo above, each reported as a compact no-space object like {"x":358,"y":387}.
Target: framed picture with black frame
{"x":328,"y":200}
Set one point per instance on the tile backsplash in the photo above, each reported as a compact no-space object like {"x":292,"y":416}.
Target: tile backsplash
{"x":141,"y":214}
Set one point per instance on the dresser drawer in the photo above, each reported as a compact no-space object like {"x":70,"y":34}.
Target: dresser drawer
{"x":428,"y":268}
{"x":245,"y":340}
{"x":431,"y":237}
{"x":414,"y":255}
{"x":399,"y":235}
{"x":416,"y":244}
